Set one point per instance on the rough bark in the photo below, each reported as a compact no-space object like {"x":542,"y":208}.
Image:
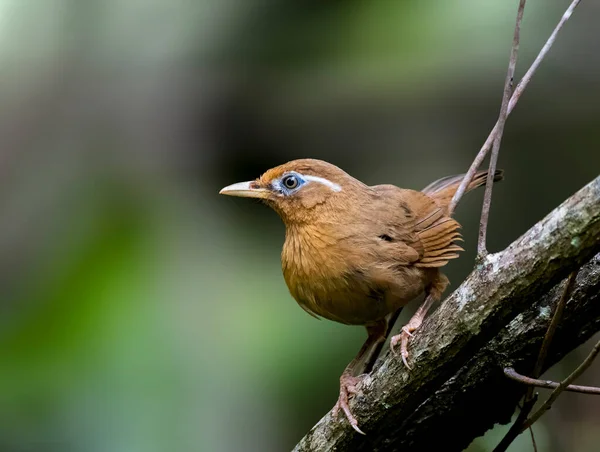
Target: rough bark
{"x":496,"y":318}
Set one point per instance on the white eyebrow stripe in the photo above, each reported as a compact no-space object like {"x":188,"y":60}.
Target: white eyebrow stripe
{"x":322,"y":180}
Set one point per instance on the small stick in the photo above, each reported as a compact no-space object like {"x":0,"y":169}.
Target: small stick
{"x":560,"y":306}
{"x":514,"y":430}
{"x":548,"y":384}
{"x":508,"y":89}
{"x":562,"y":386}
{"x":533,"y":439}
{"x":513,"y":101}
{"x":538,"y":60}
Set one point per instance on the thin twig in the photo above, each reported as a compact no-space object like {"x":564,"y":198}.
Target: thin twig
{"x":533,"y":439}
{"x":538,"y":60}
{"x":530,"y":397}
{"x":548,"y":384}
{"x":514,"y":430}
{"x":562,"y":386}
{"x":558,"y":310}
{"x":511,"y":105}
{"x":508,"y":89}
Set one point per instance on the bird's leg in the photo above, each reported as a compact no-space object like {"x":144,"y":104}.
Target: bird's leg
{"x":434,"y":293}
{"x":349,"y":382}
{"x":369,"y":362}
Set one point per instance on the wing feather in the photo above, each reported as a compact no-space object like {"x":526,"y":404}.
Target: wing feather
{"x":423,"y":225}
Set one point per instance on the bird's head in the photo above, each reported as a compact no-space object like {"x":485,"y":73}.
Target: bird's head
{"x":300,"y":191}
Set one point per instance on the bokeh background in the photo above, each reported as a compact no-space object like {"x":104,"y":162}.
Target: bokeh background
{"x":140,"y":311}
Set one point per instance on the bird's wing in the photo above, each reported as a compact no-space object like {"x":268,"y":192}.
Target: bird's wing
{"x":421,"y":224}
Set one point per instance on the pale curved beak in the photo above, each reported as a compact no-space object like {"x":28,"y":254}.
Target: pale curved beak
{"x":245,"y":190}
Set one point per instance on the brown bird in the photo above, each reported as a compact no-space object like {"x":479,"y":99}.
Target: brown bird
{"x":355,"y":253}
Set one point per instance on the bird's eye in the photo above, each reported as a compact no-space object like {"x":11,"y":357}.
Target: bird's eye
{"x":290,"y":182}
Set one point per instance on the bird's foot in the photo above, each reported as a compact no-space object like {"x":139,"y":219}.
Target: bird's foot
{"x":348,"y":386}
{"x":403,"y":338}
{"x":415,"y":322}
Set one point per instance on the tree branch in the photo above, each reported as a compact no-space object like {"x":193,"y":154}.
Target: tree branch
{"x":497,"y":318}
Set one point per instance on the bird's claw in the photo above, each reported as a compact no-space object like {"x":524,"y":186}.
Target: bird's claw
{"x":348,"y":386}
{"x":403,"y":338}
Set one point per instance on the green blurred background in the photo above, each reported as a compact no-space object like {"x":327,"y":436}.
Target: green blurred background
{"x":142,"y":312}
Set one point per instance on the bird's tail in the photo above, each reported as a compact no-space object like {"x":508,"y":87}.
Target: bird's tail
{"x":442,"y":190}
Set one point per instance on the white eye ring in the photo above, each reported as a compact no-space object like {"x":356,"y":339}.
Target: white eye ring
{"x":290,"y":182}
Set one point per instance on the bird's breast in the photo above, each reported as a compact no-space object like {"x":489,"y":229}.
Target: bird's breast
{"x":332,"y":277}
